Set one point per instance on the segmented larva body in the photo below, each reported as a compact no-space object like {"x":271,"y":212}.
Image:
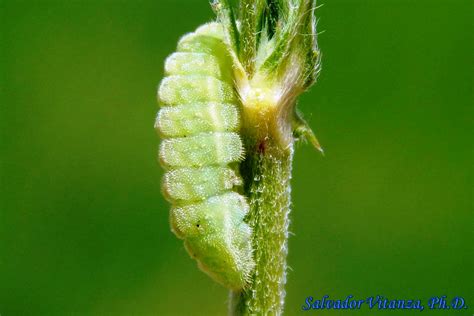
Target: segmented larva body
{"x":199,"y":123}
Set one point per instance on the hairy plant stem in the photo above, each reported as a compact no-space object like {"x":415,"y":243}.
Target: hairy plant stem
{"x":267,"y":174}
{"x":273,"y":46}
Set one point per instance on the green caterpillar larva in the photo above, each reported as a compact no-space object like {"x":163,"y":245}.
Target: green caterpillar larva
{"x":199,"y":123}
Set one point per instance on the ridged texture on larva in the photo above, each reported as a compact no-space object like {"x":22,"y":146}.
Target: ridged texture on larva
{"x":201,"y":148}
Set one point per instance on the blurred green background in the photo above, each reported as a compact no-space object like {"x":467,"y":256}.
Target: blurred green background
{"x":84,"y":228}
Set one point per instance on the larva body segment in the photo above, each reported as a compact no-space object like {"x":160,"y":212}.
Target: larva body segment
{"x":199,"y":122}
{"x":187,"y":89}
{"x":196,"y":184}
{"x":203,"y":149}
{"x":187,"y":119}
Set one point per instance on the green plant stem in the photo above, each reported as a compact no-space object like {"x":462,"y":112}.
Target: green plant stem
{"x":267,"y":174}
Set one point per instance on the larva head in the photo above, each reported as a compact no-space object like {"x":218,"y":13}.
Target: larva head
{"x":216,"y":235}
